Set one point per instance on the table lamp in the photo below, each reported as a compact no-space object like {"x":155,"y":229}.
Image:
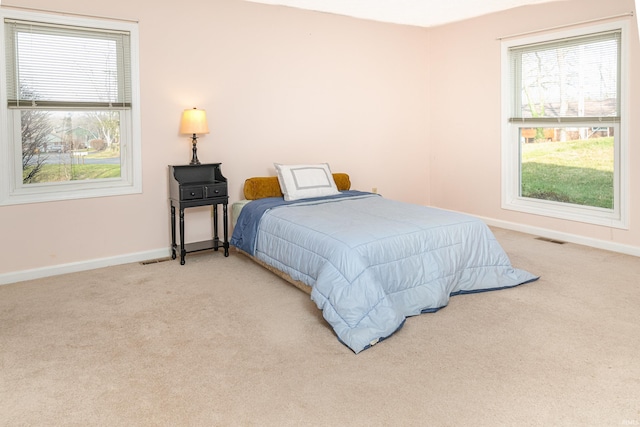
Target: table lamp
{"x":194,"y":122}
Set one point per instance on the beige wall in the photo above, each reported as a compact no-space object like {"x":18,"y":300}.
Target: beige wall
{"x":464,"y":103}
{"x":278,"y":84}
{"x":410,"y":111}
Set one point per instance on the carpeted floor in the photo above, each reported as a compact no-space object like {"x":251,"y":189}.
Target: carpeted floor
{"x":223,"y":342}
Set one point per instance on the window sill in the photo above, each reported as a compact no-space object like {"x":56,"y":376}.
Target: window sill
{"x":577,"y":213}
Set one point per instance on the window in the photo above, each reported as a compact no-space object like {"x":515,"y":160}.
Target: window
{"x":69,"y":109}
{"x":564,"y":134}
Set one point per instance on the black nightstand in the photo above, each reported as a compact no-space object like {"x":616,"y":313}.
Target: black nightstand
{"x":198,"y":185}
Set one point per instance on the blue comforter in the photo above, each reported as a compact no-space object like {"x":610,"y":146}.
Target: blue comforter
{"x":371,"y":262}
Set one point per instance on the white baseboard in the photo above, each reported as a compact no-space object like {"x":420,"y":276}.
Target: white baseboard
{"x":73,"y":267}
{"x":54,"y":270}
{"x":566,"y":237}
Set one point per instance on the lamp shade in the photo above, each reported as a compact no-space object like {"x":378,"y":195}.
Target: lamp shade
{"x":194,"y":121}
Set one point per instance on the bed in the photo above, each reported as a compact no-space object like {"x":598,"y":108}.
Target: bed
{"x":367,"y":262}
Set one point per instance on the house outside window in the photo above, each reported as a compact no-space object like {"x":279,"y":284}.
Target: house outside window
{"x":564,"y":139}
{"x":69,"y":108}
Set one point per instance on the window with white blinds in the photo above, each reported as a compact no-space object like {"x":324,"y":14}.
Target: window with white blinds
{"x":70,"y":110}
{"x":564,"y":138}
{"x":567,"y":80}
{"x":67,"y":66}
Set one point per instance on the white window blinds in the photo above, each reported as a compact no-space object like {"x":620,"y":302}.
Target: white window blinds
{"x":567,"y":80}
{"x":51,"y":66}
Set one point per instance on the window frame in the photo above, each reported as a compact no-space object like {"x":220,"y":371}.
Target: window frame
{"x":12,"y":190}
{"x":511,"y":185}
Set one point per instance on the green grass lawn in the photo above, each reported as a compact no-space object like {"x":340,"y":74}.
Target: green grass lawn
{"x":60,"y":173}
{"x":578,"y":172}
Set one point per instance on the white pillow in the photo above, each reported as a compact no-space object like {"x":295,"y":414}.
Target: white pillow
{"x":305,"y":181}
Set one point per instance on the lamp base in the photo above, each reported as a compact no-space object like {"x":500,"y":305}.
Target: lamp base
{"x":194,"y":151}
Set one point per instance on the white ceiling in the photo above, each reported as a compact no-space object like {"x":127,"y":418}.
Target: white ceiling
{"x":422,"y":13}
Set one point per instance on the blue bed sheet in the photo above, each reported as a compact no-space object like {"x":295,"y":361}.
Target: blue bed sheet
{"x":372,"y":262}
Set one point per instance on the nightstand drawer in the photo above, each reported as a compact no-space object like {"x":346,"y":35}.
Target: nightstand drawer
{"x":191,"y":193}
{"x":215,"y":190}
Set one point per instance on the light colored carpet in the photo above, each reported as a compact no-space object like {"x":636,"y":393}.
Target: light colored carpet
{"x":222,"y":341}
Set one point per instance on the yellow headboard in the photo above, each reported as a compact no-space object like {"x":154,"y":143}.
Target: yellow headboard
{"x":268,"y":186}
